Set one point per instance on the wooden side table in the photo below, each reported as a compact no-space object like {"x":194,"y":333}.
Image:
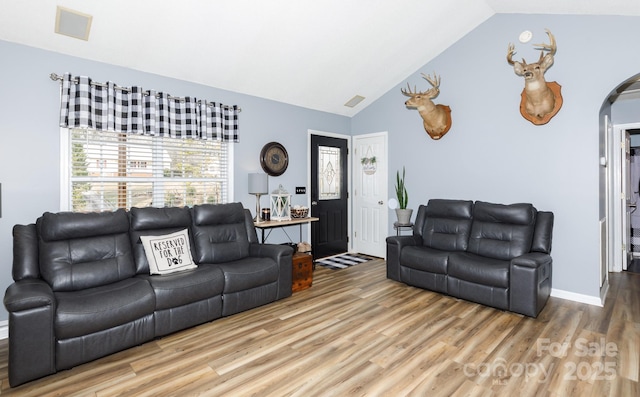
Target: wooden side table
{"x":302,"y":272}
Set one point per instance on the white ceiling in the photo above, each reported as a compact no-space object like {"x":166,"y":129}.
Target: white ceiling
{"x":316,"y":54}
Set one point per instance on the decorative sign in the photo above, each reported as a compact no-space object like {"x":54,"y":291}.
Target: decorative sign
{"x":168,"y":253}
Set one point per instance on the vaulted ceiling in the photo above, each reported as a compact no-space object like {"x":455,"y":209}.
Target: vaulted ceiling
{"x":316,"y":54}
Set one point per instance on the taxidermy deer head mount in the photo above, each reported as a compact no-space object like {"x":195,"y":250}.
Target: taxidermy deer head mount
{"x":540,"y":100}
{"x":436,"y":118}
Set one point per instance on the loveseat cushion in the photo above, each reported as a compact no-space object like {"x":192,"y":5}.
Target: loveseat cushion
{"x":153,"y":221}
{"x":447,"y":224}
{"x":84,"y":250}
{"x":178,"y":289}
{"x":25,"y":252}
{"x":248,"y":273}
{"x":425,"y":259}
{"x":479,"y":270}
{"x":95,"y":309}
{"x":543,"y":232}
{"x":219,"y":233}
{"x":502,"y":231}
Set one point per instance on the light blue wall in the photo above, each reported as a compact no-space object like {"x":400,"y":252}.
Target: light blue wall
{"x":492,"y":153}
{"x":29,"y":134}
{"x":626,"y":111}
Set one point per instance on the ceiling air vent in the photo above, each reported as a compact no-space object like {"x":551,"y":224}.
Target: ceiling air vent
{"x":73,"y":23}
{"x":354,"y":101}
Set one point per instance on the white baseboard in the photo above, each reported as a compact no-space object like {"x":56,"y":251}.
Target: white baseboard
{"x":572,"y":296}
{"x":4,"y":329}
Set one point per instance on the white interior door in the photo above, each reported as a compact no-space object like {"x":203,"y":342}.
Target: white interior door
{"x":621,"y":200}
{"x":370,"y":213}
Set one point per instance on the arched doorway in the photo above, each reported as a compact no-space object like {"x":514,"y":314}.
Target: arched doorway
{"x":619,"y":120}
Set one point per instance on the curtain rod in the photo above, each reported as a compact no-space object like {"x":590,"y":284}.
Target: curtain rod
{"x":54,"y":77}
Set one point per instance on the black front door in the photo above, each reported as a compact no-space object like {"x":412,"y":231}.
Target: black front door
{"x":329,"y":195}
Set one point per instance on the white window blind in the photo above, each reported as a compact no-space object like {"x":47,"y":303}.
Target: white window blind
{"x":110,"y":170}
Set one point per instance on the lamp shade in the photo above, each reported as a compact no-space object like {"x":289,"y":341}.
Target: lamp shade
{"x":258,"y":183}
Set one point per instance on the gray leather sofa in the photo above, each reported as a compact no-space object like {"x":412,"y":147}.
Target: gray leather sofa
{"x":83,"y":288}
{"x":494,"y":254}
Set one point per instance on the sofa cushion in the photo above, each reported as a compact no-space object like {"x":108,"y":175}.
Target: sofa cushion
{"x":168,"y":253}
{"x":70,"y":225}
{"x":502,"y":231}
{"x":151,"y":221}
{"x":219,"y":233}
{"x":425,"y":259}
{"x":248,"y":273}
{"x":178,"y":289}
{"x":447,"y":224}
{"x":479,"y":270}
{"x":84,"y":250}
{"x":95,"y":309}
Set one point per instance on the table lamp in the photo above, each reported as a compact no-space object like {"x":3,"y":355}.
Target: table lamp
{"x":258,"y":185}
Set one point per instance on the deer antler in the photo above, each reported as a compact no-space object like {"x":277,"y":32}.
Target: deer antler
{"x":431,"y":93}
{"x":551,"y":47}
{"x":409,"y":93}
{"x":511,"y":51}
{"x":435,"y":82}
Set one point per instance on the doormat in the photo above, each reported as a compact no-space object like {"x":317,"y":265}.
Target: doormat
{"x":342,"y":261}
{"x":634,"y":266}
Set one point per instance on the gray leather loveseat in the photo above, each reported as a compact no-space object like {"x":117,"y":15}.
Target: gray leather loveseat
{"x":83,"y":287}
{"x":494,"y":254}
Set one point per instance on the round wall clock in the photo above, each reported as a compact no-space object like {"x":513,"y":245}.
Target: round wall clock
{"x":274,"y":159}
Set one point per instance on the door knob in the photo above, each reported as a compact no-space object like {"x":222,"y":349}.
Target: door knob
{"x":314,"y":203}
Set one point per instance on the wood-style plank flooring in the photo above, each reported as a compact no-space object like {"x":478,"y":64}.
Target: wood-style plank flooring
{"x":356,"y":333}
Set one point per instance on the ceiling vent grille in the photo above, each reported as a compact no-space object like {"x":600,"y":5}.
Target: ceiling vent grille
{"x":73,"y":23}
{"x":354,"y":101}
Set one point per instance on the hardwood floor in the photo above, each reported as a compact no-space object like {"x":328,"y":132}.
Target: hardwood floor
{"x":354,"y":332}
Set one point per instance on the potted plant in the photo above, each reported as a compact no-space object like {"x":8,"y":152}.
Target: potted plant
{"x":402,"y":213}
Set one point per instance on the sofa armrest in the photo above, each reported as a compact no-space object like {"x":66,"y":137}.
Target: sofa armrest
{"x":394,"y":249}
{"x":532,"y":260}
{"x":283,"y":256}
{"x":529,"y":283}
{"x":31,"y":305}
{"x":28,"y":294}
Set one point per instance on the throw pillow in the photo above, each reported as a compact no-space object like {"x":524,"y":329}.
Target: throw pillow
{"x":168,"y":253}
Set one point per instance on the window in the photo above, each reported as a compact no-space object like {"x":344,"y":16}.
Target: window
{"x":329,"y":173}
{"x":110,"y":170}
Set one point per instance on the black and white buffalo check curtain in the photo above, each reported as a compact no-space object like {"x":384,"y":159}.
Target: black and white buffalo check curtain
{"x":105,"y":106}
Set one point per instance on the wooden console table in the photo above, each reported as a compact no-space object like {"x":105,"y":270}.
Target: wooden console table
{"x":272,"y":224}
